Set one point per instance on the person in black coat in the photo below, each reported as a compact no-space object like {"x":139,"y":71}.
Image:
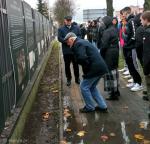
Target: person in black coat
{"x":110,"y":53}
{"x":93,"y":67}
{"x":145,"y":19}
{"x":67,"y":53}
{"x":128,"y":50}
{"x":139,"y":38}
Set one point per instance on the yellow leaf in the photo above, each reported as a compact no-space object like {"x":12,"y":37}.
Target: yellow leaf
{"x":139,"y":136}
{"x":68,"y":130}
{"x":81,"y":133}
{"x":63,"y":142}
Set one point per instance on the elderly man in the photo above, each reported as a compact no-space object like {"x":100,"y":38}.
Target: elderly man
{"x":93,"y":67}
{"x":67,"y":53}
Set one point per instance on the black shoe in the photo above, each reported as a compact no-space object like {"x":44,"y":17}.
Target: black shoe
{"x":68,"y":82}
{"x":112,"y":98}
{"x":146,"y":98}
{"x":104,"y":110}
{"x":145,"y":92}
{"x":85,"y":110}
{"x":77,"y":81}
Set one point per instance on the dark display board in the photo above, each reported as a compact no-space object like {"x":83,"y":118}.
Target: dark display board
{"x":18,"y":44}
{"x":7,"y":81}
{"x":30,"y":39}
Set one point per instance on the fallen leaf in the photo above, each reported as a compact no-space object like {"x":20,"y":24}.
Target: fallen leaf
{"x":139,"y":137}
{"x":81,"y":133}
{"x":45,"y":116}
{"x":63,"y":142}
{"x":112,"y":134}
{"x":66,"y":110}
{"x":56,"y":91}
{"x":67,"y":115}
{"x":84,"y":124}
{"x":125,"y":107}
{"x":68,"y":130}
{"x":104,"y":138}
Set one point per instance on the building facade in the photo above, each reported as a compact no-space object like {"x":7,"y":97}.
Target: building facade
{"x":93,"y":14}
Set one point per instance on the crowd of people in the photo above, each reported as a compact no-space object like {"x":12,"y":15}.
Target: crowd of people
{"x":99,"y":55}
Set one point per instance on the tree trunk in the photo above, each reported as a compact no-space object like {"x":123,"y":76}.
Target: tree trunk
{"x":147,"y":5}
{"x":110,"y":7}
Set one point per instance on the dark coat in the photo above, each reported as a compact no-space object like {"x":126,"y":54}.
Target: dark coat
{"x":62,"y":32}
{"x":88,"y":57}
{"x":110,"y":45}
{"x":139,"y":43}
{"x":130,"y":33}
{"x":146,"y":51}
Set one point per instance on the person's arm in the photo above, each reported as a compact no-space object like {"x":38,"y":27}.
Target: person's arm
{"x":80,"y":54}
{"x":105,"y":42}
{"x":60,"y":36}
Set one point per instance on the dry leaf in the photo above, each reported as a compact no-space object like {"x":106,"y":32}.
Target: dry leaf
{"x":63,"y":142}
{"x":104,"y":138}
{"x":112,"y":134}
{"x":125,"y":107}
{"x":56,"y":91}
{"x":45,"y":116}
{"x":84,"y":124}
{"x":139,"y":137}
{"x":81,"y":133}
{"x":68,"y":130}
{"x":66,"y":110}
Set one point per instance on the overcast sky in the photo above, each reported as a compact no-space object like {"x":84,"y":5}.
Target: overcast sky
{"x":91,"y":4}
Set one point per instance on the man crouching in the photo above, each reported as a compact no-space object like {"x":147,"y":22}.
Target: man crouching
{"x":93,"y":67}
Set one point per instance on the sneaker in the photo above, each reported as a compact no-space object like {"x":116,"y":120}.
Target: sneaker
{"x":130,"y":85}
{"x":146,"y":98}
{"x":136,"y":87}
{"x":126,"y":73}
{"x":85,"y":110}
{"x":130,"y":80}
{"x":127,"y":76}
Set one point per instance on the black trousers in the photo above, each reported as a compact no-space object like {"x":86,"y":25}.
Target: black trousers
{"x":68,"y":59}
{"x":129,"y":61}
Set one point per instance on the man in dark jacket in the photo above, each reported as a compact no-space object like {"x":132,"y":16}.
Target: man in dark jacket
{"x":139,"y":38}
{"x":67,"y":53}
{"x":128,"y":50}
{"x":110,"y":53}
{"x":145,"y":19}
{"x":93,"y":67}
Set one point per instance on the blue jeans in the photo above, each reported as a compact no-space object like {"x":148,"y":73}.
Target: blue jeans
{"x":91,"y":94}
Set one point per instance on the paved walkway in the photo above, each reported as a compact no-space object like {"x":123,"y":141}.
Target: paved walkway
{"x":126,"y":122}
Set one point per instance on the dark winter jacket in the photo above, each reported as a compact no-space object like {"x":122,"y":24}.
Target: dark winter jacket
{"x":130,"y":33}
{"x":139,"y":43}
{"x":94,"y":33}
{"x":83,"y":32}
{"x":62,"y":32}
{"x":88,"y":57}
{"x":110,"y":44}
{"x":146,"y":51}
{"x":100,"y":31}
{"x":89,"y":33}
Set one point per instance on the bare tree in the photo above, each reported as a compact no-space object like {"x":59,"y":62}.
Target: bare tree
{"x":110,"y":9}
{"x":147,"y":5}
{"x":63,"y":8}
